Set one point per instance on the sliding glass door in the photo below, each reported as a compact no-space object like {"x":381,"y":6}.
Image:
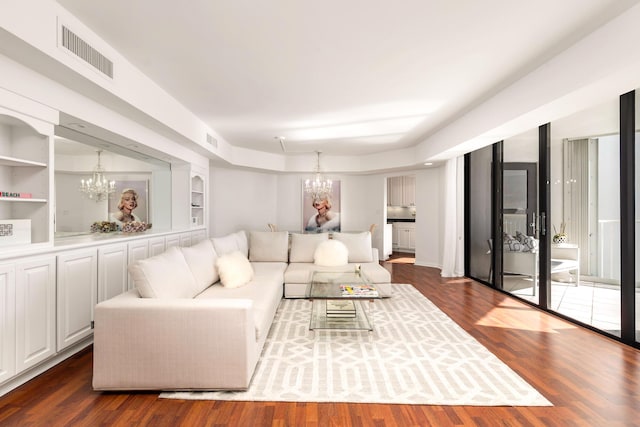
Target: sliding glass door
{"x":585,"y":217}
{"x":520,"y":248}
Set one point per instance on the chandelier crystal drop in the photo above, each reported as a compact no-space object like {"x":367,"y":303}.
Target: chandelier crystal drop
{"x":98,"y":187}
{"x":318,"y":187}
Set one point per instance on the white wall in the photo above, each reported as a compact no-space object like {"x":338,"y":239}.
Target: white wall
{"x":242,"y":199}
{"x":430,"y":216}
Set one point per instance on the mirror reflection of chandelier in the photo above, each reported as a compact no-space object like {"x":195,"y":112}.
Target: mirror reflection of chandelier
{"x":318,"y":187}
{"x":98,"y":187}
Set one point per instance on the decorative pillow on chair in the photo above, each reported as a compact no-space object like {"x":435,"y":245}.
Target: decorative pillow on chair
{"x":303,"y":246}
{"x":269,"y":246}
{"x":234,"y":269}
{"x":358,"y":244}
{"x":331,"y":253}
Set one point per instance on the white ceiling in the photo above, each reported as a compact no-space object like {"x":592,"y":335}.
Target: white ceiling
{"x":343,"y":77}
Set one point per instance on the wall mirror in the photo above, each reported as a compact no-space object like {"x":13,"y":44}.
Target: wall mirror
{"x":76,"y":157}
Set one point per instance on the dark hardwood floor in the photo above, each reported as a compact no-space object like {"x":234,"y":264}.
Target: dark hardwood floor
{"x":591,"y":380}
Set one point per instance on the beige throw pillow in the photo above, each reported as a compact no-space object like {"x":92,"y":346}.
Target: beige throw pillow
{"x":165,"y":276}
{"x":303,"y":246}
{"x":358,"y":244}
{"x":269,"y":246}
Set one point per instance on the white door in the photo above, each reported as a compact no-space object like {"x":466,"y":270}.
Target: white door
{"x":112,"y":271}
{"x":7,"y":322}
{"x":35,"y":311}
{"x":77,"y":295}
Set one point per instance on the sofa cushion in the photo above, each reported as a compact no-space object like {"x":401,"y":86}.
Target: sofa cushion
{"x":267,"y":246}
{"x":331,"y":253}
{"x":201,"y":259}
{"x":358,"y":244}
{"x":234,"y":269}
{"x":230,"y":243}
{"x":164,"y":276}
{"x":303,"y":246}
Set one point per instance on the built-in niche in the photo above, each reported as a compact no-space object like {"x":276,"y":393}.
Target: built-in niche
{"x":75,"y":161}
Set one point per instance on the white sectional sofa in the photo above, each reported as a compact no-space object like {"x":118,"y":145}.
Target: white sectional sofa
{"x":198,"y":317}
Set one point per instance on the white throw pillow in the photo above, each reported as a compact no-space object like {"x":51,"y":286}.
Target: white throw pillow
{"x":164,"y":276}
{"x":269,"y":246}
{"x":201,"y":259}
{"x":303,"y":246}
{"x":234,"y":269}
{"x":331,"y":253}
{"x":358,"y":244}
{"x":233,"y":242}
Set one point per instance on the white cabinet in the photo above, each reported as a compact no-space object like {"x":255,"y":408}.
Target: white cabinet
{"x":112,"y":271}
{"x":401,"y":191}
{"x":138,"y":249}
{"x":404,"y":236}
{"x":156,"y":246}
{"x":197,"y":201}
{"x":172,"y":240}
{"x":77,"y":287}
{"x":25,"y":153}
{"x":7,"y":322}
{"x":408,"y":191}
{"x":198,"y":236}
{"x":185,"y":239}
{"x":35,"y":311}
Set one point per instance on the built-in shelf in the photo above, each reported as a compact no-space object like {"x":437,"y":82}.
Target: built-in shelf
{"x":25,"y":157}
{"x":12,"y":161}
{"x":197,"y":200}
{"x":21,"y":199}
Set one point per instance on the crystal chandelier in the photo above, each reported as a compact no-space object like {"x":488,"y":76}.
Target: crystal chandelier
{"x":97,"y":187}
{"x":318,"y":187}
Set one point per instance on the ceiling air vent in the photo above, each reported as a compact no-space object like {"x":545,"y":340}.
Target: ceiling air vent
{"x":86,"y":52}
{"x":211,"y":140}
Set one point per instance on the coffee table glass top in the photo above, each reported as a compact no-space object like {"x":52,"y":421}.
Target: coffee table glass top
{"x":332,"y":285}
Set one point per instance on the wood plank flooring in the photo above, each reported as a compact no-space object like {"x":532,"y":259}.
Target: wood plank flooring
{"x":590,"y":379}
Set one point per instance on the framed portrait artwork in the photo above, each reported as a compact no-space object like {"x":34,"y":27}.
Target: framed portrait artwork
{"x":130,"y":202}
{"x":321,"y":214}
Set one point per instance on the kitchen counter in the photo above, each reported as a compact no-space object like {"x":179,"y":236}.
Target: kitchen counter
{"x":392,"y":220}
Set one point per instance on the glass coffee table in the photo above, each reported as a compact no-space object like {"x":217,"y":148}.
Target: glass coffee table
{"x":342,"y":300}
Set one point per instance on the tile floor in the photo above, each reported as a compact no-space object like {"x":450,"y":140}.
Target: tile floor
{"x":596,"y":304}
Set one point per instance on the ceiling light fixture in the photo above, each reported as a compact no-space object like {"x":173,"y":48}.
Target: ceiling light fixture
{"x":318,"y":187}
{"x":97,"y":187}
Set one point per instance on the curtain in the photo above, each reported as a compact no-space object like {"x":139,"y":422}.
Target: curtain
{"x":453,"y":250}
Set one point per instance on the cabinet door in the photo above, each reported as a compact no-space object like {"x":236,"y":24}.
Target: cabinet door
{"x":408,"y":191}
{"x":198,"y":236}
{"x":394,"y":238}
{"x":112,"y":271}
{"x":185,"y":239}
{"x":7,"y":322}
{"x":137,"y":250}
{"x":395,"y":191}
{"x":35,"y":311}
{"x":156,"y":246}
{"x":172,"y":240}
{"x":403,"y":238}
{"x":77,"y":295}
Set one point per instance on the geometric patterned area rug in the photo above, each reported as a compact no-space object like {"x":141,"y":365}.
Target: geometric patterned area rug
{"x":417,"y":355}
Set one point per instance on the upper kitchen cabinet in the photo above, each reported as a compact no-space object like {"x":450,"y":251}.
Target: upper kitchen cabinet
{"x":401,"y":191}
{"x":25,"y":180}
